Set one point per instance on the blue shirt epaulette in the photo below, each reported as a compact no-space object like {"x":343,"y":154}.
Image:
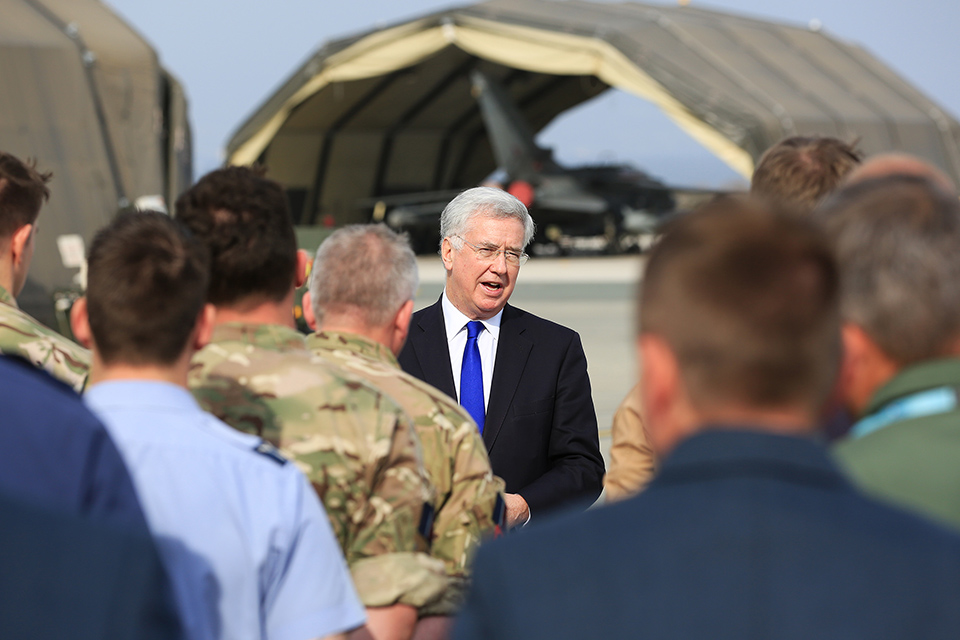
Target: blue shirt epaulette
{"x":270,"y":451}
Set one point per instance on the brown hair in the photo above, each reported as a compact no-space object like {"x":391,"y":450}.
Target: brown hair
{"x":146,"y":286}
{"x":747,"y":298}
{"x":799,"y":172}
{"x":23,"y":191}
{"x":244,"y":220}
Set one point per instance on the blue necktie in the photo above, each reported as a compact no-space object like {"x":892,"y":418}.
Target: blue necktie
{"x":471,"y":376}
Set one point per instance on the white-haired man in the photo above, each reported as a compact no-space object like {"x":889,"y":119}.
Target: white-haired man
{"x":522,"y":378}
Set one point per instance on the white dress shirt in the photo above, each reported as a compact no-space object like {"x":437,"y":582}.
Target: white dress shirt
{"x":456,"y":326}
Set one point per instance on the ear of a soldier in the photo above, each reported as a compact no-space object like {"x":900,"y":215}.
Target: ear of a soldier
{"x":204,"y":328}
{"x":303,"y":268}
{"x":19,"y":242}
{"x":401,"y":326}
{"x":663,"y":396}
{"x":865,"y":368}
{"x":308,"y":315}
{"x":80,"y":323}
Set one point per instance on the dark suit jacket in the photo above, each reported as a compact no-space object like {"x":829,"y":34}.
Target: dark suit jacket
{"x":742,"y":535}
{"x":540,"y":427}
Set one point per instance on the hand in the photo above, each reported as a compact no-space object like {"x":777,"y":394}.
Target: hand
{"x":518,"y":512}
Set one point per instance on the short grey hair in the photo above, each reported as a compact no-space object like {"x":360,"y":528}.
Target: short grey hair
{"x":365,"y":268}
{"x":487,"y":201}
{"x":898,"y":244}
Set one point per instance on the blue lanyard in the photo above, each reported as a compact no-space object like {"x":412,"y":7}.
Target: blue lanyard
{"x":917,"y":405}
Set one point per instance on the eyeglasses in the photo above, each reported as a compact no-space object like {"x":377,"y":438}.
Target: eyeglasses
{"x":489,"y":254}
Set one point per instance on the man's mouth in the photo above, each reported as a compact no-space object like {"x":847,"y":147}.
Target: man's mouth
{"x":492,"y":286}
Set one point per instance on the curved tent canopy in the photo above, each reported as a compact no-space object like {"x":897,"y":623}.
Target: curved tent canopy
{"x":391,"y":112}
{"x":87,"y":98}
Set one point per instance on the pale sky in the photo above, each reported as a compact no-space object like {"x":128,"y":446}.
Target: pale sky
{"x":232,"y":54}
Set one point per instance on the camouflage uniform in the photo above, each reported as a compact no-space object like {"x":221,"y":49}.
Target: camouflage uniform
{"x":469,"y":502}
{"x":355,"y":445}
{"x":21,"y":335}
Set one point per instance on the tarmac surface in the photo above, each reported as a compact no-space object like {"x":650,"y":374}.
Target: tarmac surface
{"x":593,"y":296}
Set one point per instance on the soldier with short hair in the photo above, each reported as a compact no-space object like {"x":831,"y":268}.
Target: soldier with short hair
{"x":249,"y":551}
{"x":23,"y":190}
{"x":800,"y":171}
{"x":361,"y":295}
{"x":356,"y":445}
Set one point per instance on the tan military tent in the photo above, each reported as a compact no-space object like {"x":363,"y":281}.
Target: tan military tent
{"x":390,"y":112}
{"x":85,"y":95}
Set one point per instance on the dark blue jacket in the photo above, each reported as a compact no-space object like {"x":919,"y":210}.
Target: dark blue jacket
{"x":742,"y":535}
{"x":65,"y":576}
{"x":56,"y":454}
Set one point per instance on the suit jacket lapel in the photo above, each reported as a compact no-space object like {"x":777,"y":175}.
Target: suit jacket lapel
{"x":513,"y":349}
{"x":430,"y":345}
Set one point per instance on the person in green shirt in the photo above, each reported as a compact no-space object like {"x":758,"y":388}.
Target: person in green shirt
{"x":898,"y":244}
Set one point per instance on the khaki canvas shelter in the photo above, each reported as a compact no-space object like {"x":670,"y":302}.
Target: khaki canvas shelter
{"x":390,"y":112}
{"x":85,"y":95}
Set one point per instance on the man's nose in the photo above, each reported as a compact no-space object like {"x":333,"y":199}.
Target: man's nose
{"x":499,"y":264}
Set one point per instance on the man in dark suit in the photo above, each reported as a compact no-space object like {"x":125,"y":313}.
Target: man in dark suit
{"x":522,"y":378}
{"x":748,"y":531}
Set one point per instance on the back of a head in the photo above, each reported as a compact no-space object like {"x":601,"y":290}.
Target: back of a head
{"x":146,"y":287}
{"x":22,"y":192}
{"x":898,"y":245}
{"x":903,"y":164}
{"x":244,"y":220}
{"x":800,"y":171}
{"x":365,"y":270}
{"x":746,"y":297}
{"x":488,"y":201}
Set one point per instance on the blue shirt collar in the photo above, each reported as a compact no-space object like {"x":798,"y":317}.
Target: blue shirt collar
{"x":140,"y":394}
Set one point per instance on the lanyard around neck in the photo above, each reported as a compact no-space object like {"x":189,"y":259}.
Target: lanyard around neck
{"x":917,"y":405}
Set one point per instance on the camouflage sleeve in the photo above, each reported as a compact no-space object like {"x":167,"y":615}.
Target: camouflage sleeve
{"x":236,"y":405}
{"x":471,"y":512}
{"x":380,"y":508}
{"x":62,"y":358}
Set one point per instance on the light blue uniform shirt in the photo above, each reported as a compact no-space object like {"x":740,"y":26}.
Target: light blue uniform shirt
{"x":248,"y":547}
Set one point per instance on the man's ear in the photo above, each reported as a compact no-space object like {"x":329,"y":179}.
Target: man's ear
{"x":446,"y":254}
{"x":308,"y":315}
{"x":865,"y":368}
{"x":401,"y":327}
{"x":18,"y":242}
{"x":80,"y":323}
{"x":663,"y":396}
{"x":303,"y":268}
{"x":204,"y":328}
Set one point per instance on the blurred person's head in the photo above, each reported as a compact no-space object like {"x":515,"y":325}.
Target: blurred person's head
{"x":146,"y":292}
{"x":738,"y":323}
{"x":891,"y":164}
{"x":243,"y":219}
{"x":800,"y":171}
{"x":364,"y":279}
{"x":23,"y":190}
{"x":483,"y":234}
{"x":897,"y":241}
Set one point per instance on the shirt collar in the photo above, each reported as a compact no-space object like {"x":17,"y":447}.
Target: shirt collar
{"x":724,"y":450}
{"x":140,"y":394}
{"x":6,"y":298}
{"x":274,"y":337}
{"x":454,"y":320}
{"x":942,"y":372}
{"x":355,"y":343}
